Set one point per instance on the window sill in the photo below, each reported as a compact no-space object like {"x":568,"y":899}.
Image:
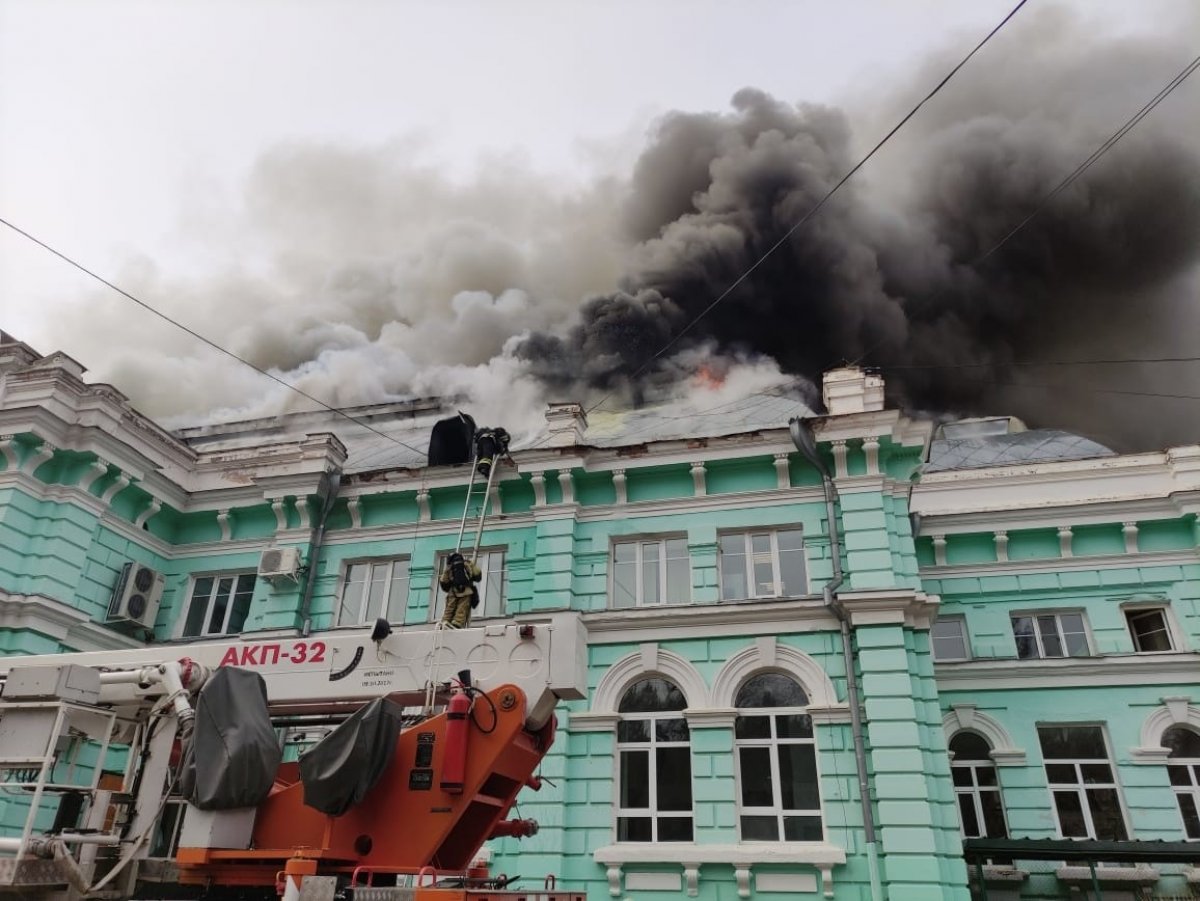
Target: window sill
{"x":996,"y":874}
{"x":1113,"y":875}
{"x":742,"y":857}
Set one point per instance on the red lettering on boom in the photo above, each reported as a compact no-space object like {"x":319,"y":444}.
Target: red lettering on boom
{"x":230,"y":658}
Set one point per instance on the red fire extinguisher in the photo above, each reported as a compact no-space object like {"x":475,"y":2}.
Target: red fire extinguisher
{"x":454,"y":759}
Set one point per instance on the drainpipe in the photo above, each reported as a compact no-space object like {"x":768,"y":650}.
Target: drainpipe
{"x":327,"y":492}
{"x":806,"y":443}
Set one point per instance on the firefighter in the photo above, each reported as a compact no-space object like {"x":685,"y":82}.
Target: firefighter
{"x":458,"y":580}
{"x":489,"y":444}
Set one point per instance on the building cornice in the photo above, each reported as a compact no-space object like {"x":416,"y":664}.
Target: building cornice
{"x":54,"y":619}
{"x":709,"y":620}
{"x":1167,"y":668}
{"x":1086,"y":563}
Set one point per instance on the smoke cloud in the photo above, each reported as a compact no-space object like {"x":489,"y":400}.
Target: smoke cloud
{"x":378,"y":278}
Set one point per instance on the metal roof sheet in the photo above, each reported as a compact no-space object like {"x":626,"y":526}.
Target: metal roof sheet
{"x":1033,"y":446}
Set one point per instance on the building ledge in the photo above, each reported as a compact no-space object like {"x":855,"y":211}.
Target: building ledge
{"x":996,"y":874}
{"x":742,"y":856}
{"x":1111,"y":875}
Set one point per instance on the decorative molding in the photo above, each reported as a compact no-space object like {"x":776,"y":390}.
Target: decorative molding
{"x":1130,"y":531}
{"x":1066,"y":539}
{"x":354,"y":508}
{"x":967,"y":717}
{"x":939,"y":550}
{"x":871,"y":450}
{"x":631,"y":668}
{"x":714,"y":620}
{"x":424,"y":514}
{"x":495,"y":502}
{"x":1076,"y":563}
{"x":123,"y":481}
{"x":691,"y":875}
{"x":304,"y":512}
{"x":699,"y":483}
{"x":225,"y":524}
{"x":902,"y":606}
{"x":97,"y":470}
{"x":649,"y":656}
{"x":279,"y":508}
{"x":566,"y":484}
{"x":742,"y":876}
{"x":783,"y":473}
{"x":767,"y":645}
{"x":1176,"y":710}
{"x":592,"y":722}
{"x":1006,"y":673}
{"x":711,"y":718}
{"x":1000,"y":540}
{"x":54,"y":619}
{"x":787,"y":660}
{"x":840,"y":469}
{"x":44,"y":452}
{"x":619,"y":486}
{"x":8,"y":447}
{"x":538,"y":481}
{"x":149,"y":513}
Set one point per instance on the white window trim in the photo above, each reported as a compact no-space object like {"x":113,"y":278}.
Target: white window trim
{"x":975,"y":789}
{"x":966,"y":637}
{"x":1177,"y":635}
{"x":386,"y":610}
{"x":651,"y":811}
{"x":637,"y":542}
{"x":216,"y":576}
{"x":773,"y":532}
{"x":777,"y":810}
{"x":1192,"y":766}
{"x":438,"y":603}
{"x":1080,"y":788}
{"x":1037,"y":633}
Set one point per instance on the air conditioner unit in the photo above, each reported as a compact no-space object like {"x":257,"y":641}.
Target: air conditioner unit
{"x":280,"y":563}
{"x":136,"y":598}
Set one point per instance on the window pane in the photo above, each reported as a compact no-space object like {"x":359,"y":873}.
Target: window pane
{"x":764,"y":577}
{"x":398,"y":594}
{"x":760,"y":829}
{"x":624,"y":584}
{"x":794,"y":726}
{"x":798,"y":777}
{"x":760,"y":544}
{"x":635,"y":779}
{"x":1179,"y":775}
{"x":985,"y":775}
{"x":993,"y":815}
{"x":376,"y":591}
{"x":1074,"y":634}
{"x":770,"y":690}
{"x":651,"y":573}
{"x":671,"y":730}
{"x":350,"y":611}
{"x":1061,"y":773}
{"x":241,"y":604}
{"x":651,"y":696}
{"x":1191,"y":817}
{"x":1070,"y":815}
{"x":1183,"y":742}
{"x":1066,"y":742}
{"x":962,"y":776}
{"x":755,"y":770}
{"x":633,"y":730}
{"x":791,"y":563}
{"x":1051,"y":644}
{"x":1097,"y":772}
{"x":634,"y":829}
{"x":674,"y":778}
{"x":790,"y":540}
{"x":802,"y":829}
{"x":948,"y":640}
{"x":969,"y":746}
{"x":733,"y":567}
{"x":675,"y":829}
{"x":198,"y":607}
{"x":216,"y":622}
{"x":1106,"y":814}
{"x":752,"y":727}
{"x":967,"y":816}
{"x":1023,"y":632}
{"x":1149,"y":629}
{"x":491,"y":588}
{"x":679,"y":580}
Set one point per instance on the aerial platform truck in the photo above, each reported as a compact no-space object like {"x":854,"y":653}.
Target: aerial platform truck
{"x":157,"y":773}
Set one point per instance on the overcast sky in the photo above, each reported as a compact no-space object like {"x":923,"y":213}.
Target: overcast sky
{"x":129,"y":130}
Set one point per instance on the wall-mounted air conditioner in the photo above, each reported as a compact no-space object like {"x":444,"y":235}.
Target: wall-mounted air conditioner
{"x":136,"y":598}
{"x":280,"y":563}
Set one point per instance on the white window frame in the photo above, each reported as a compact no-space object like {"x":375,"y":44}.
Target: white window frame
{"x":966,"y":639}
{"x":771,"y":743}
{"x":975,"y":789}
{"x":639,"y":544}
{"x":1191,"y":766}
{"x":487,"y":567}
{"x":1037,"y":633}
{"x":237,"y":575}
{"x":387,"y":605}
{"x":747,"y":536}
{"x":651,"y":811}
{"x":1168,"y":617}
{"x":1079,"y":786}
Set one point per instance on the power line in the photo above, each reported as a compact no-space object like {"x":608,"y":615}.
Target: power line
{"x":1003,"y":363}
{"x":820,"y":203}
{"x":214,"y":345}
{"x":1129,"y":125}
{"x":1088,"y":388}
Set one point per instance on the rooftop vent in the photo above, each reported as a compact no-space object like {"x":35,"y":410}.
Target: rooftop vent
{"x":848,"y":389}
{"x":566,"y":423}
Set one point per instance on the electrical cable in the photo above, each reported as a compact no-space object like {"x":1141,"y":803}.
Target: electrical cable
{"x":1005,"y":363}
{"x":820,"y":203}
{"x":213,"y":344}
{"x":1129,"y":125}
{"x":475,"y":692}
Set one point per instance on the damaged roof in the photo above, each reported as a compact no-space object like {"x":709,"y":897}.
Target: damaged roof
{"x":1033,"y":446}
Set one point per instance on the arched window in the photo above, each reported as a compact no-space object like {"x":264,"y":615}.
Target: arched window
{"x":655,"y":764}
{"x":777,"y":762}
{"x":1183,"y":767}
{"x":980,"y":811}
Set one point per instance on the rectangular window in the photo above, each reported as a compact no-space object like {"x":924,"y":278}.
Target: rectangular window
{"x":656,"y":571}
{"x":948,"y":639}
{"x":1082,"y":783}
{"x":1149,"y":630}
{"x":374,"y":589}
{"x":767,"y":564}
{"x":655,"y":799}
{"x":1050,"y":635}
{"x":219,"y":604}
{"x":492,"y":586}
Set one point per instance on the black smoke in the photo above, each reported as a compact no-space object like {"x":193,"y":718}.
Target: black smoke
{"x":894,"y":271}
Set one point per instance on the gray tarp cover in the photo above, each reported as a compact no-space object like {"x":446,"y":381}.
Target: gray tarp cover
{"x":233,"y":756}
{"x":340,"y":769}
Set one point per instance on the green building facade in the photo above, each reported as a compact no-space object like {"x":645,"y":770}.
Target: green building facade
{"x":1023,"y":609}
